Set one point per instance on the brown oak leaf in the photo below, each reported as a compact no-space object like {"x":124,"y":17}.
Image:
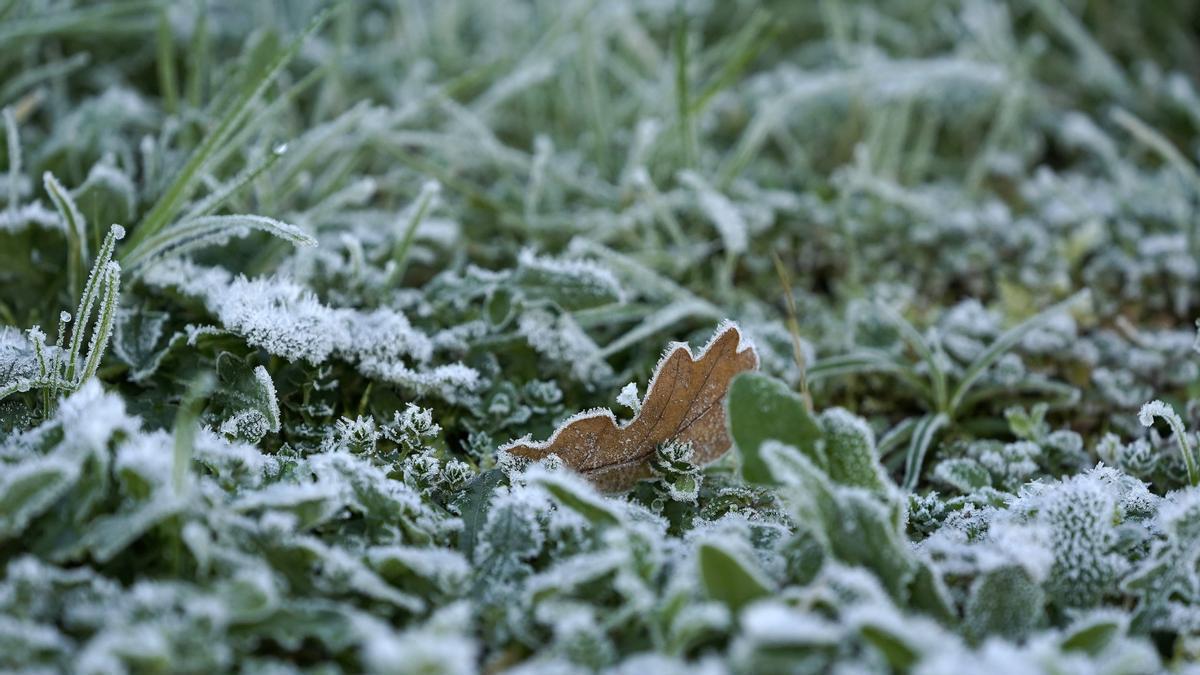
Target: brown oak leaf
{"x":684,"y":403}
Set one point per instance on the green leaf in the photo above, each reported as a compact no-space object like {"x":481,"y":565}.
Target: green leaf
{"x":856,"y":526}
{"x":575,"y":495}
{"x":850,"y":450}
{"x":569,"y":287}
{"x":806,"y":489}
{"x":923,"y":435}
{"x":963,"y":474}
{"x":137,"y":334}
{"x":898,"y":653}
{"x":30,"y":488}
{"x":928,"y":593}
{"x":245,"y":399}
{"x":868,"y":532}
{"x":729,"y":578}
{"x":1004,"y":602}
{"x":109,"y":535}
{"x":472,"y":504}
{"x":1092,"y":634}
{"x":1007,"y":341}
{"x":759,"y":408}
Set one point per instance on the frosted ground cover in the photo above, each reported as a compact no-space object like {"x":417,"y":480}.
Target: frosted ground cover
{"x":279,"y":281}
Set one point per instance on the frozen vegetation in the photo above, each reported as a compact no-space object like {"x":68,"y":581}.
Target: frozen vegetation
{"x":328,"y":336}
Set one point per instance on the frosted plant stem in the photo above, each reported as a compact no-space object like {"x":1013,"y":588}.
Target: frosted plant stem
{"x":14,"y":160}
{"x":400,"y":253}
{"x":1161,"y":410}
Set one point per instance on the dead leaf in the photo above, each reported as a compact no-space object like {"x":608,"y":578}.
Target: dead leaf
{"x":684,"y":403}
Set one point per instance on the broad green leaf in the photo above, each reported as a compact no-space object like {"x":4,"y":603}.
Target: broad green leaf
{"x":928,"y":593}
{"x":580,"y":499}
{"x":899,"y":654}
{"x":1092,"y":634}
{"x":30,"y":488}
{"x":963,"y":474}
{"x":868,"y":532}
{"x":729,"y":578}
{"x":1004,"y":602}
{"x":850,"y":450}
{"x":760,"y":408}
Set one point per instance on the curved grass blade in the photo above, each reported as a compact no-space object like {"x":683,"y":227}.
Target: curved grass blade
{"x":172,"y":200}
{"x":1005,"y":342}
{"x":923,"y":433}
{"x":208,"y":231}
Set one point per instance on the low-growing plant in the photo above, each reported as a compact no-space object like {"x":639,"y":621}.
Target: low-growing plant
{"x":352,"y":289}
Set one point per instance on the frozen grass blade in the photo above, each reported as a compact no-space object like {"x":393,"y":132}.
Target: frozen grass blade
{"x":1004,"y":343}
{"x":187,"y":419}
{"x":166,"y":64}
{"x":1165,"y":412}
{"x":76,"y":226}
{"x":218,"y":197}
{"x":113,"y":18}
{"x":171,"y":202}
{"x":400,"y":251}
{"x":923,"y":434}
{"x":197,"y":233}
{"x":13,"y":137}
{"x":101,"y":275}
{"x":921,"y":346}
{"x":104,"y":324}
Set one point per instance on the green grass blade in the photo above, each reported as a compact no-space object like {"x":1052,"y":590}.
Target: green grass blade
{"x":172,"y":200}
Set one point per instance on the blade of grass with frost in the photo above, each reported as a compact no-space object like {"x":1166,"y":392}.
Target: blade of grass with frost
{"x":1091,"y":54}
{"x":170,"y":203}
{"x":607,"y":315}
{"x":400,"y":253}
{"x":186,"y":425}
{"x":166,"y":64}
{"x":126,"y":17}
{"x":658,"y":322}
{"x":1005,"y":342}
{"x":1004,"y":121}
{"x":477,"y":197}
{"x":640,"y":276}
{"x":77,"y":248}
{"x":1167,"y":150}
{"x":919,"y":344}
{"x":923,"y":434}
{"x":101,"y":275}
{"x":197,"y":66}
{"x":896,"y":436}
{"x":209,"y":230}
{"x":1057,"y":394}
{"x":13,"y":139}
{"x":38,"y":338}
{"x":31,"y":77}
{"x":223,"y":193}
{"x":102,"y":332}
{"x":1161,"y":410}
{"x":64,"y":319}
{"x":683,"y":104}
{"x":734,"y":57}
{"x":595,"y":99}
{"x":723,"y":213}
{"x":864,"y":361}
{"x":241,"y":138}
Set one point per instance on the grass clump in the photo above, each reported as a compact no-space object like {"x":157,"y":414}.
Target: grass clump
{"x":326,"y":261}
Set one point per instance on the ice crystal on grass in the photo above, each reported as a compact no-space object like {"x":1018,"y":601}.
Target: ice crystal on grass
{"x":286,"y":319}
